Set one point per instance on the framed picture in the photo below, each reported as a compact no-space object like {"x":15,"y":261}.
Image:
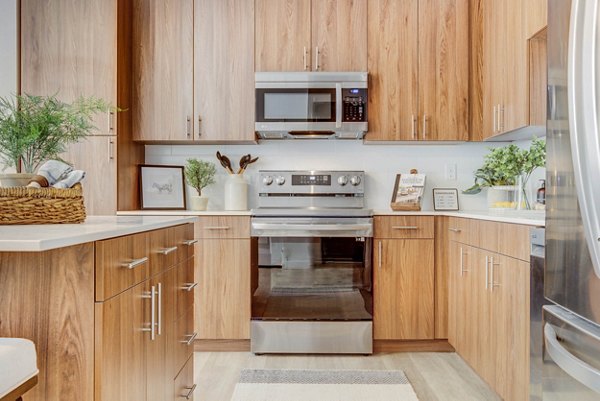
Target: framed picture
{"x":445,"y":199}
{"x":162,"y":187}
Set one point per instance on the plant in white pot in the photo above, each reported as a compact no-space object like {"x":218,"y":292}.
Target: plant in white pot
{"x":34,"y":129}
{"x":199,"y":174}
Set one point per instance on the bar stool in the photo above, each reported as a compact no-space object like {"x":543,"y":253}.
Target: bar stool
{"x":18,"y":368}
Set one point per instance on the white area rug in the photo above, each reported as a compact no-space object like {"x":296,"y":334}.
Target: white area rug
{"x":323,"y":385}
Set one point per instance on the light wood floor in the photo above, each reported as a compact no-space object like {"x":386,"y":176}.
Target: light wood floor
{"x":434,"y":376}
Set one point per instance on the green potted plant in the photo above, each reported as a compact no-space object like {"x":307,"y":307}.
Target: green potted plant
{"x":34,"y":129}
{"x":199,"y":174}
{"x":506,"y":171}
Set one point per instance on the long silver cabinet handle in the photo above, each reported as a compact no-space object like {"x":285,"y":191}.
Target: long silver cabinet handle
{"x":305,"y":58}
{"x":111,"y":148}
{"x":190,"y":392}
{"x":152,"y":297}
{"x":217,"y":228}
{"x":167,"y":251}
{"x":188,"y":127}
{"x":414,"y":127}
{"x":199,"y":126}
{"x":455,"y":230}
{"x":405,"y":228}
{"x":190,"y":242}
{"x":573,"y":366}
{"x":159,"y":324}
{"x":317,"y":65}
{"x":424,"y":126}
{"x":111,"y":121}
{"x":487,"y":273}
{"x":189,"y":286}
{"x":492,"y":269}
{"x":190,"y":340}
{"x":380,"y":250}
{"x":462,"y":262}
{"x":136,"y":262}
{"x":494,"y":129}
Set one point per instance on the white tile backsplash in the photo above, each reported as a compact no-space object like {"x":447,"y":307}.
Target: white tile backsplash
{"x":381,"y":163}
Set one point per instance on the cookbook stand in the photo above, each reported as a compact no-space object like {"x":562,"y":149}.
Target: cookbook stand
{"x":408,"y":192}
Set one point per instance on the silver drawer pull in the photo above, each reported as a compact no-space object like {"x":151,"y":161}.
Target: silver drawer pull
{"x":455,"y":230}
{"x":189,"y":286}
{"x":136,"y":262}
{"x":190,"y":242}
{"x":190,"y":340}
{"x":167,"y":251}
{"x":405,"y":228}
{"x":190,"y":392}
{"x":218,"y":228}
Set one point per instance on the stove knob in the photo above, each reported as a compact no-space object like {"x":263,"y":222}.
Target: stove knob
{"x":280,"y":180}
{"x":355,"y":180}
{"x":343,"y":180}
{"x":267,"y":180}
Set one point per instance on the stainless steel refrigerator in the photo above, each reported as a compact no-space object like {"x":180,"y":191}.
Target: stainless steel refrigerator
{"x":571,"y":326}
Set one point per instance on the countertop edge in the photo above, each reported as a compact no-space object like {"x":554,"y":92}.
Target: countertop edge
{"x":184,"y":213}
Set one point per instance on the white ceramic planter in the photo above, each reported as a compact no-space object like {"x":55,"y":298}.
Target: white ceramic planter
{"x":198,"y":203}
{"x":236,"y":193}
{"x":15,"y":179}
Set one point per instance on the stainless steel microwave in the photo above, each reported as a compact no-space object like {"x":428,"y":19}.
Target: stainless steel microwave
{"x":302,"y":105}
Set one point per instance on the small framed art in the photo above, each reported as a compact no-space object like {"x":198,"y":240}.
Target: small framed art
{"x":162,"y":187}
{"x":445,"y":199}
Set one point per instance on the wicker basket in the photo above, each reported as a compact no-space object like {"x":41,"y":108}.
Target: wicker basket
{"x":23,"y":205}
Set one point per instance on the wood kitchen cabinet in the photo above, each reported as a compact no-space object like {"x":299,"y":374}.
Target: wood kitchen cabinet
{"x":305,"y":35}
{"x":163,"y":70}
{"x":418,"y":87}
{"x":89,"y":310}
{"x":403,"y":278}
{"x":223,"y":269}
{"x":488,"y":321}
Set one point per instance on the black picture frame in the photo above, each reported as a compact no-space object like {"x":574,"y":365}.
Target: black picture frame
{"x":436,"y":194}
{"x":166,"y":192}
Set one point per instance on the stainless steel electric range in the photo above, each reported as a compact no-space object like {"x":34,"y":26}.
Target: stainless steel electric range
{"x":312,"y":286}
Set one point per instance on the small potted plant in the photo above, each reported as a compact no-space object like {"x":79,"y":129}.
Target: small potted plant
{"x":199,"y":174}
{"x":34,"y":129}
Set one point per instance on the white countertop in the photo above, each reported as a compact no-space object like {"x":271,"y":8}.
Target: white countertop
{"x":525,"y":217}
{"x":184,"y":213}
{"x":35,"y":238}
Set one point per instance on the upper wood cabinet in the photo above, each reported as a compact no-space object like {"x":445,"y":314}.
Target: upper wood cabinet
{"x":419,"y":74}
{"x":305,"y":35}
{"x":163,"y":69}
{"x":69,"y":49}
{"x":224,"y":70}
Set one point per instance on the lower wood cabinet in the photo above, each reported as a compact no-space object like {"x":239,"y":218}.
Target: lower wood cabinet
{"x":489,"y":317}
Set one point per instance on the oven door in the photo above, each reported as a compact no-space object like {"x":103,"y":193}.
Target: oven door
{"x":318,"y":273}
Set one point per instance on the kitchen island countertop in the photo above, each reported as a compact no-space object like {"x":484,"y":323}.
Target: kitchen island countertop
{"x":37,"y":238}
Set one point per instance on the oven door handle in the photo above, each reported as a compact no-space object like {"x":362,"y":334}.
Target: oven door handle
{"x":309,"y":227}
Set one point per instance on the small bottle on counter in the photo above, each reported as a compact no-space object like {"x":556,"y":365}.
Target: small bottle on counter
{"x":541,"y":196}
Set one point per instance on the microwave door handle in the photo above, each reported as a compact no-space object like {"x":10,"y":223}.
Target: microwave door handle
{"x":338,"y":105}
{"x":584,"y":121}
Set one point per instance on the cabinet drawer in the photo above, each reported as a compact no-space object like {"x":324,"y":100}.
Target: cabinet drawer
{"x":404,"y":227}
{"x":165,"y":247}
{"x":185,"y":236}
{"x":223,"y":227}
{"x":186,"y":287}
{"x":183,"y":385}
{"x":183,"y":343}
{"x":465,"y":231}
{"x":121,"y":263}
{"x":513,"y":240}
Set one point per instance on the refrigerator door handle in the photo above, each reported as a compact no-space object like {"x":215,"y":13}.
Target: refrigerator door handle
{"x":575,"y":367}
{"x":584,"y":111}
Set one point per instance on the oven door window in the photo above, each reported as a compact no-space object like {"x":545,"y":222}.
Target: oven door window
{"x":295,"y":105}
{"x":313,"y":279}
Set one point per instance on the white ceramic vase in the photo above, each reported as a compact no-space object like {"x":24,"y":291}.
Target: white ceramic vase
{"x":198,"y":203}
{"x":236,"y":193}
{"x":15,"y":179}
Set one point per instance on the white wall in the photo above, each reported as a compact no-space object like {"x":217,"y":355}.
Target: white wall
{"x":380,"y":162}
{"x":8,"y":47}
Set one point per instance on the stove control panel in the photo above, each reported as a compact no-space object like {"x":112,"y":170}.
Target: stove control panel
{"x":311,"y":182}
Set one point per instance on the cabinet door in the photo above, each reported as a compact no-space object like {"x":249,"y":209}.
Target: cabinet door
{"x":97,"y":156}
{"x":283,"y":40}
{"x":403,"y":290}
{"x":493,"y":70}
{"x":224,"y":70}
{"x":223,"y":295}
{"x":158,"y":358}
{"x":120,"y":351}
{"x":69,"y":49}
{"x":339,"y":35}
{"x":443,"y":70}
{"x":162,"y":61}
{"x":393,"y":69}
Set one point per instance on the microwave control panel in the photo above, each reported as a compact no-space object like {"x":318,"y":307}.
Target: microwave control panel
{"x":354,"y":105}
